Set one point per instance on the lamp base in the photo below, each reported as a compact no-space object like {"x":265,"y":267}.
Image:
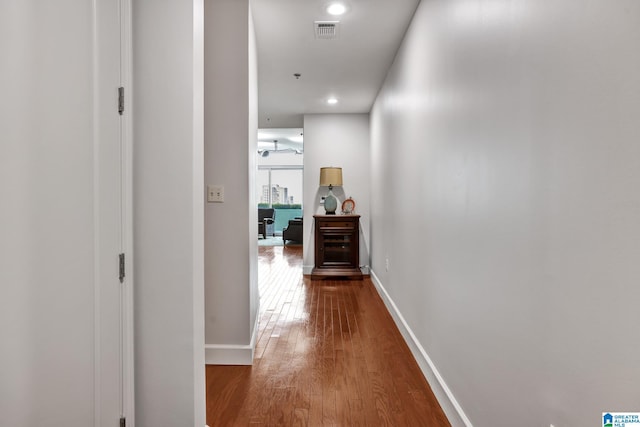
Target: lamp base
{"x":330,"y":203}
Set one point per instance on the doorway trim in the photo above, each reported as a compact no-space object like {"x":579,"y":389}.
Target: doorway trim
{"x":126,"y":79}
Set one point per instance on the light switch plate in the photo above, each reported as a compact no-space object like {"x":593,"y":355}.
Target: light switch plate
{"x":215,"y":193}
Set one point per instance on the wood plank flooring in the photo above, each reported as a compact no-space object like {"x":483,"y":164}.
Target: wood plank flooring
{"x":328,"y":354}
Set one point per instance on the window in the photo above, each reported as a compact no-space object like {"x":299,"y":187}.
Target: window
{"x":280,"y":187}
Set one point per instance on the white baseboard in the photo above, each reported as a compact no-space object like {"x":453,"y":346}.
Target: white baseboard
{"x":447,"y":400}
{"x":227,"y":354}
{"x":232,"y":354}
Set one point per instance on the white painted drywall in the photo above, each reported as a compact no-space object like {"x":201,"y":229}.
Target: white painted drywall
{"x":340,"y":140}
{"x":168,"y":213}
{"x":230,"y":145}
{"x":505,"y":159}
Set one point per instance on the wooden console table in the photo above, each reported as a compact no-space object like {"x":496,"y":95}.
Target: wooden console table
{"x":337,"y":247}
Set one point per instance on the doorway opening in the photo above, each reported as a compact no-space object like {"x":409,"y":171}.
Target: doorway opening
{"x":279,"y":183}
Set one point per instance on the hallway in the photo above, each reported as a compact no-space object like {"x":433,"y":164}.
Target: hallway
{"x":328,"y":353}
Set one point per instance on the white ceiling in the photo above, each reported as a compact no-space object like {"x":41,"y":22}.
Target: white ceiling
{"x":350,"y":67}
{"x":280,"y":139}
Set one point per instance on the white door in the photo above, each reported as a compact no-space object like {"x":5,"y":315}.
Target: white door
{"x":65,"y":317}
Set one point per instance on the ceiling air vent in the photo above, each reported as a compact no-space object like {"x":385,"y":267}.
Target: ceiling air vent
{"x":326,"y":29}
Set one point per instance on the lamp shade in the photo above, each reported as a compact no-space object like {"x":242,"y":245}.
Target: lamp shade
{"x":330,"y":176}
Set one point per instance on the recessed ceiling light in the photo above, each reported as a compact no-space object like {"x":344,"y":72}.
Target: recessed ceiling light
{"x":332,"y":101}
{"x":336,"y":9}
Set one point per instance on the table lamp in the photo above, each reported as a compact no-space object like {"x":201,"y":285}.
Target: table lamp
{"x":328,"y":178}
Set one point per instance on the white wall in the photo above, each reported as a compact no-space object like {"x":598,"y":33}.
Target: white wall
{"x":340,"y":140}
{"x":505,"y":159}
{"x":168,"y":213}
{"x":230,"y":146}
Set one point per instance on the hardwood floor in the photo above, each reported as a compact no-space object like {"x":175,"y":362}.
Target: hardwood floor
{"x":328,"y":354}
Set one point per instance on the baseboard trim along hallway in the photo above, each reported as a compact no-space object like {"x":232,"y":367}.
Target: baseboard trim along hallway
{"x":232,"y":354}
{"x":445,"y":397}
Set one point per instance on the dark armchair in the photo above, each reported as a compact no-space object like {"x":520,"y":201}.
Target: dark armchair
{"x":266,"y":218}
{"x":293,"y":231}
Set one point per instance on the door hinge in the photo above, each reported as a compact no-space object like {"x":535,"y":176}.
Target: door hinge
{"x":121,"y":256}
{"x":123,"y":422}
{"x":120,"y":100}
